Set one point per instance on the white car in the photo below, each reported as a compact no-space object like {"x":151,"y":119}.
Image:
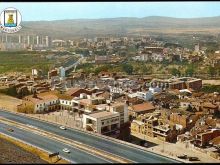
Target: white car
{"x":145,"y":145}
{"x":66,"y":150}
{"x":62,"y":127}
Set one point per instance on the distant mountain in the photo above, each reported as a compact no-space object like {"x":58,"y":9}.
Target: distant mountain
{"x":116,"y":26}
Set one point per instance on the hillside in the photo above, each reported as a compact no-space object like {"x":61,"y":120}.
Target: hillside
{"x":119,"y":26}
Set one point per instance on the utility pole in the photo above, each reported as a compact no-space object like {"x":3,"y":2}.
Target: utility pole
{"x":163,"y":146}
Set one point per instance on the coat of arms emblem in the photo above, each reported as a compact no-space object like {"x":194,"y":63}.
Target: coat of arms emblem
{"x":10,"y":20}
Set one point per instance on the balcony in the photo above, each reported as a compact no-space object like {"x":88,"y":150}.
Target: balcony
{"x":91,"y":127}
{"x":159,"y":133}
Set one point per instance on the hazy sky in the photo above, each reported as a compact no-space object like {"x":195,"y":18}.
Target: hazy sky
{"x":31,"y":11}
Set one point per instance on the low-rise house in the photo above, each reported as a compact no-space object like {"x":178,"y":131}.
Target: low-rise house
{"x":178,"y":83}
{"x":89,"y":105}
{"x":196,"y":105}
{"x":150,"y":125}
{"x":185,"y":104}
{"x":165,"y":132}
{"x":210,"y":108}
{"x":150,"y":122}
{"x":121,"y":108}
{"x":146,"y":96}
{"x":75,"y":92}
{"x":102,"y":122}
{"x":65,"y":102}
{"x":39,"y":103}
{"x":143,"y":108}
{"x":137,"y":127}
{"x":203,"y":139}
{"x":101,"y":59}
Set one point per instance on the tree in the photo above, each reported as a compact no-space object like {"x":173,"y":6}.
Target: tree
{"x":212,"y":71}
{"x":175,"y":72}
{"x":189,"y":70}
{"x":143,"y":69}
{"x":128,"y":68}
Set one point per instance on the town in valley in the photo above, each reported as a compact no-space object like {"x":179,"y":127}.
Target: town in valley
{"x":155,"y":91}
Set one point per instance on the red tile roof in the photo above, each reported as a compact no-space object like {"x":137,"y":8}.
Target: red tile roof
{"x":72,"y":91}
{"x":142,"y":107}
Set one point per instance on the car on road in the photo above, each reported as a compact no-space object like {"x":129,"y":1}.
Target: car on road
{"x":10,"y":129}
{"x":66,"y":150}
{"x":62,"y":127}
{"x":182,"y":156}
{"x":143,"y":143}
{"x":193,"y":158}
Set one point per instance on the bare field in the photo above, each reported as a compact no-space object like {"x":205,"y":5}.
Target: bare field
{"x":211,"y":82}
{"x":10,"y":153}
{"x":9,"y":102}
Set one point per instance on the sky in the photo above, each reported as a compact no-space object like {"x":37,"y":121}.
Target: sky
{"x":38,"y":11}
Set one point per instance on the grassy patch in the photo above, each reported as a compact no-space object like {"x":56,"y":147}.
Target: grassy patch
{"x":211,"y":88}
{"x":23,"y":61}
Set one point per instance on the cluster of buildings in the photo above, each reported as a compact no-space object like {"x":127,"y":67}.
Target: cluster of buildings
{"x":171,"y":109}
{"x":139,"y":48}
{"x":98,"y":114}
{"x":182,"y":116}
{"x":102,"y":50}
{"x":13,"y":42}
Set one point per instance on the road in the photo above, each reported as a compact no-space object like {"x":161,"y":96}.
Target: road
{"x":128,"y":152}
{"x":75,"y":156}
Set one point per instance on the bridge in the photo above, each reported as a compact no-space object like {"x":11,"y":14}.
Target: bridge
{"x":75,"y":64}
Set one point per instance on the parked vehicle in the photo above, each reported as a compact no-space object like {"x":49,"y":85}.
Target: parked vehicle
{"x":182,"y":156}
{"x":193,"y":159}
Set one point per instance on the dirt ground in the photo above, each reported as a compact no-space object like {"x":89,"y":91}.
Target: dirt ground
{"x":9,"y":102}
{"x":11,"y":153}
{"x":211,"y":82}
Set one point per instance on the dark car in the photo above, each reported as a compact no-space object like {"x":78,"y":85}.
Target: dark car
{"x":193,"y":159}
{"x":182,"y":156}
{"x":11,"y":130}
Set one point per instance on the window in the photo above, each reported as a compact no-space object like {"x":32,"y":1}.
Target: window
{"x":103,"y":123}
{"x":37,"y":105}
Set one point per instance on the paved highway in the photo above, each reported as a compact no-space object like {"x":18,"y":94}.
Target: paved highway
{"x":128,"y":152}
{"x":75,"y":155}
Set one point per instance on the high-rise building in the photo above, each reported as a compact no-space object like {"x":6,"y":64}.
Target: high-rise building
{"x":197,"y":48}
{"x":48,"y":41}
{"x":62,"y":72}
